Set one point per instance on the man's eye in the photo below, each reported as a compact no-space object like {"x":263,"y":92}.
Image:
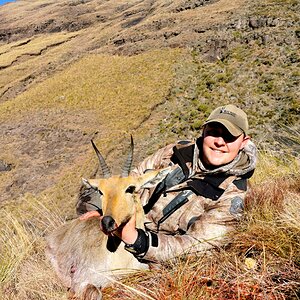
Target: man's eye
{"x":214,"y":133}
{"x":229,"y":138}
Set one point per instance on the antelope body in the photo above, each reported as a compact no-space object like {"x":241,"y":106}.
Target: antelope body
{"x":87,"y":258}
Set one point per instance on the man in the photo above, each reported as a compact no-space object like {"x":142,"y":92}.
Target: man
{"x":199,"y":202}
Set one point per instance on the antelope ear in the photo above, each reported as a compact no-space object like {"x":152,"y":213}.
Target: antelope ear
{"x":152,"y":178}
{"x":88,"y":185}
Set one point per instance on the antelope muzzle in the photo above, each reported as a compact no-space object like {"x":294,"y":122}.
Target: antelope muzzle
{"x":109,"y":225}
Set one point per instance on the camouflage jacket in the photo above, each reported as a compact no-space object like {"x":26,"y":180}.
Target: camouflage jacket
{"x":194,"y":208}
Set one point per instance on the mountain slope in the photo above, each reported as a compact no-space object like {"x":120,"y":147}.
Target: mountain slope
{"x":69,"y":29}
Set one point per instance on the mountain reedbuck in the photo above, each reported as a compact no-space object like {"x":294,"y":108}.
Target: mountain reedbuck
{"x":87,"y":258}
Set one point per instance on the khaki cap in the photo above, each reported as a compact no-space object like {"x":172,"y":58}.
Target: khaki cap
{"x":232,"y":117}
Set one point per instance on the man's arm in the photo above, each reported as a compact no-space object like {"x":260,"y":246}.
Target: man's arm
{"x":207,"y":229}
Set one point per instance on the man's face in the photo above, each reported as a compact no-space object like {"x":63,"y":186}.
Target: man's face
{"x":219,"y":146}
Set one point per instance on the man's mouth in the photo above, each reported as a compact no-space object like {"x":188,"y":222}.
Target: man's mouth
{"x":218,"y":151}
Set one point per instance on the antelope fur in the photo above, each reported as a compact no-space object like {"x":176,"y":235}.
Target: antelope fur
{"x":84,"y":258}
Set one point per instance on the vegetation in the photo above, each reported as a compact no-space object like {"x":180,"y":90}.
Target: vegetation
{"x":238,"y":81}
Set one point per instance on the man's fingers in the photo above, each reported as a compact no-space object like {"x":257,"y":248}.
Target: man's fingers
{"x":89,"y":214}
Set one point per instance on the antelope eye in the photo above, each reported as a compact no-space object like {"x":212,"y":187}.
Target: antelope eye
{"x":130,"y":189}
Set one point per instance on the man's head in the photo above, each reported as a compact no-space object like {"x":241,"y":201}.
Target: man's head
{"x":233,"y":118}
{"x":224,"y":135}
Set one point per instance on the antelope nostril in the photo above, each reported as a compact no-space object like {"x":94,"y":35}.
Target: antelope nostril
{"x":108,"y":224}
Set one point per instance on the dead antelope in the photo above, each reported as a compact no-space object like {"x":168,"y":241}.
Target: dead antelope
{"x":87,"y":258}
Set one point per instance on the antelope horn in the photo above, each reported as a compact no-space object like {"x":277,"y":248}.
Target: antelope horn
{"x":103,"y":166}
{"x":128,"y":163}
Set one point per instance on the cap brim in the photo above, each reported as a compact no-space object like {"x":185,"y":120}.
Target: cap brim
{"x":234,"y":130}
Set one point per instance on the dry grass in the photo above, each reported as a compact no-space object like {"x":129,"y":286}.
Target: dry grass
{"x":28,"y":60}
{"x":32,"y":47}
{"x":24,"y":271}
{"x":98,"y":25}
{"x":125,"y":83}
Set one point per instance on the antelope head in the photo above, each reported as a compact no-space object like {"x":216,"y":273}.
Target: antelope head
{"x":119,"y":194}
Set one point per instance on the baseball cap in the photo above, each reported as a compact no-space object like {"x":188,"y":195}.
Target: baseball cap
{"x":232,"y":117}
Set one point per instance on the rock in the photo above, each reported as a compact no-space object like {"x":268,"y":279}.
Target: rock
{"x":255,"y":23}
{"x":4,"y":167}
{"x":271,"y":22}
{"x":216,"y":50}
{"x":265,"y":39}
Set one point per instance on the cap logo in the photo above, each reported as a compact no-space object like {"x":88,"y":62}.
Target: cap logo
{"x":228,"y":112}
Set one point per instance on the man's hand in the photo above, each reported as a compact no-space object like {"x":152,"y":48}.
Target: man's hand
{"x":129,"y":234}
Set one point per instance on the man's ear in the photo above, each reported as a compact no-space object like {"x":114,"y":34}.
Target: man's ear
{"x":245,"y":141}
{"x":153,"y":177}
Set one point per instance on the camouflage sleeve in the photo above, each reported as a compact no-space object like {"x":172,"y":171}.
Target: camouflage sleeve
{"x":159,"y":159}
{"x":205,"y":230}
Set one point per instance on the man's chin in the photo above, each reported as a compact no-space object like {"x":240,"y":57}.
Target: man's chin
{"x":217,"y":160}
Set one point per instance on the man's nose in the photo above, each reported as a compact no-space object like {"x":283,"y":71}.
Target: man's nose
{"x":219,"y":141}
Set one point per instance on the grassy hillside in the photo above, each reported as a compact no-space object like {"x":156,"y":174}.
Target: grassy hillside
{"x":49,"y":127}
{"x":154,"y":70}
